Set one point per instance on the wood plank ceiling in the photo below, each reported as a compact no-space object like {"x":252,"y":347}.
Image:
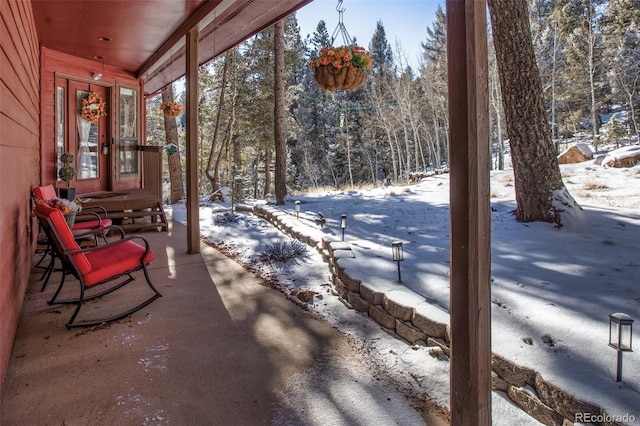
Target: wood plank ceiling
{"x":146,"y":37}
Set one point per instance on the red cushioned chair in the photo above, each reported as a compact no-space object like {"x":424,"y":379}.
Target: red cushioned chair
{"x":95,"y":266}
{"x":90,"y":218}
{"x":93,"y":219}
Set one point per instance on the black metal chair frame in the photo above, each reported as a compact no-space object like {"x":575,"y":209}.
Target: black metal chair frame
{"x":69,"y":267}
{"x":80,"y":235}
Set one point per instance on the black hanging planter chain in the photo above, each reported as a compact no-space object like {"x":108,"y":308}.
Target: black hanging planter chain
{"x":340,"y":28}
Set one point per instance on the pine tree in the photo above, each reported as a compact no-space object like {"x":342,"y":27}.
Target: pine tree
{"x":434,"y":86}
{"x":577,"y":21}
{"x":312,"y":113}
{"x":540,"y":193}
{"x":621,"y":29}
{"x":278,"y":113}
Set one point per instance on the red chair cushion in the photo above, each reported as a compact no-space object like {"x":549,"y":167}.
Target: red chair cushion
{"x":46,"y":192}
{"x":114,"y":259}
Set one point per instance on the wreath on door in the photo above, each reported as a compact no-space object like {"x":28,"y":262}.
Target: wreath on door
{"x":93,"y":107}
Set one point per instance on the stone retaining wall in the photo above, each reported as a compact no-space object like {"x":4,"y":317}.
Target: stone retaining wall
{"x":407,"y":315}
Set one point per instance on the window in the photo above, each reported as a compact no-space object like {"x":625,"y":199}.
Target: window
{"x":60,"y":126}
{"x":128,"y":140}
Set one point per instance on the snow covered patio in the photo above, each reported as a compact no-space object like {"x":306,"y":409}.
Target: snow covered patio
{"x":552,"y":289}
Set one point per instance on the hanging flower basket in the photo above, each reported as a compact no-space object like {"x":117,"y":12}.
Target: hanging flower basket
{"x":332,"y":79}
{"x":341,"y":68}
{"x":171,"y":109}
{"x":93,"y":108}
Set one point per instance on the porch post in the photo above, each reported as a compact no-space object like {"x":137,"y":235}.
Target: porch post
{"x":193,"y":213}
{"x":470,"y":374}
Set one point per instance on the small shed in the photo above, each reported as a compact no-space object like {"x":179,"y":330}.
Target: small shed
{"x":577,"y":153}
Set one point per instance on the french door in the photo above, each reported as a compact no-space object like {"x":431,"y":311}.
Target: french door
{"x":87,"y":139}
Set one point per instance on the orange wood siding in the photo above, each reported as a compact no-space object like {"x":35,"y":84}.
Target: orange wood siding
{"x":19,"y":157}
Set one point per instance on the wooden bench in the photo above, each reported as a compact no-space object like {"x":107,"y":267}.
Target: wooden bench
{"x":132,"y":210}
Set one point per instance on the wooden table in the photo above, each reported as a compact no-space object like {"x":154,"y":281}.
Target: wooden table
{"x":134,"y":209}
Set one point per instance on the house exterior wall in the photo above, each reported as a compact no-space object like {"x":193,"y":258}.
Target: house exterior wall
{"x":27,"y":146}
{"x":54,"y":63}
{"x":19,"y":161}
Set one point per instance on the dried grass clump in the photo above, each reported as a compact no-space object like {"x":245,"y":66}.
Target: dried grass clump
{"x":507,"y":180}
{"x":591,"y":185}
{"x":319,"y":190}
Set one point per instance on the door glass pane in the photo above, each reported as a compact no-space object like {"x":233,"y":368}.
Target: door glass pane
{"x":59,"y":126}
{"x":87,"y":160}
{"x":128,"y":122}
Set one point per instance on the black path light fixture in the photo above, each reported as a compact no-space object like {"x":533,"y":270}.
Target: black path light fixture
{"x":620,"y":337}
{"x":398,"y":255}
{"x":297,"y":209}
{"x":343,"y":224}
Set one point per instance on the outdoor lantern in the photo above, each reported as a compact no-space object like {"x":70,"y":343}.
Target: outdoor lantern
{"x":343,"y":224}
{"x":105,"y":148}
{"x":620,"y":337}
{"x":297,"y":209}
{"x":396,"y":248}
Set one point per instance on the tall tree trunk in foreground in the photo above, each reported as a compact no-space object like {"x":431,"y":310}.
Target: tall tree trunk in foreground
{"x":280,"y":179}
{"x":173,"y":158}
{"x":540,"y":192}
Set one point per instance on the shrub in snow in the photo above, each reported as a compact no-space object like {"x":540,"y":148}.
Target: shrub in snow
{"x":225,"y":218}
{"x":283,"y":251}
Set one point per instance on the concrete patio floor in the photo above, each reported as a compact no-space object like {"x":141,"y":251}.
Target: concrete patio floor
{"x":217,"y":349}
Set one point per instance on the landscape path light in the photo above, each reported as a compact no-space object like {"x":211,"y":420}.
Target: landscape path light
{"x":297,"y":209}
{"x":398,"y":255}
{"x":343,"y":224}
{"x":620,"y":337}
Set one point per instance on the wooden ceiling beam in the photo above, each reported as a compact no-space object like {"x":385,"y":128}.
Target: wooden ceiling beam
{"x":207,"y":8}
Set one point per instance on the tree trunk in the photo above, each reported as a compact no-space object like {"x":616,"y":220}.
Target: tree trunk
{"x":595,"y":117}
{"x":173,"y":158}
{"x":268,"y":156}
{"x":540,"y":192}
{"x":212,"y":171}
{"x":280,"y":179}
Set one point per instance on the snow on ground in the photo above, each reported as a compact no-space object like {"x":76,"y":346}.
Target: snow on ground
{"x":552,"y":289}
